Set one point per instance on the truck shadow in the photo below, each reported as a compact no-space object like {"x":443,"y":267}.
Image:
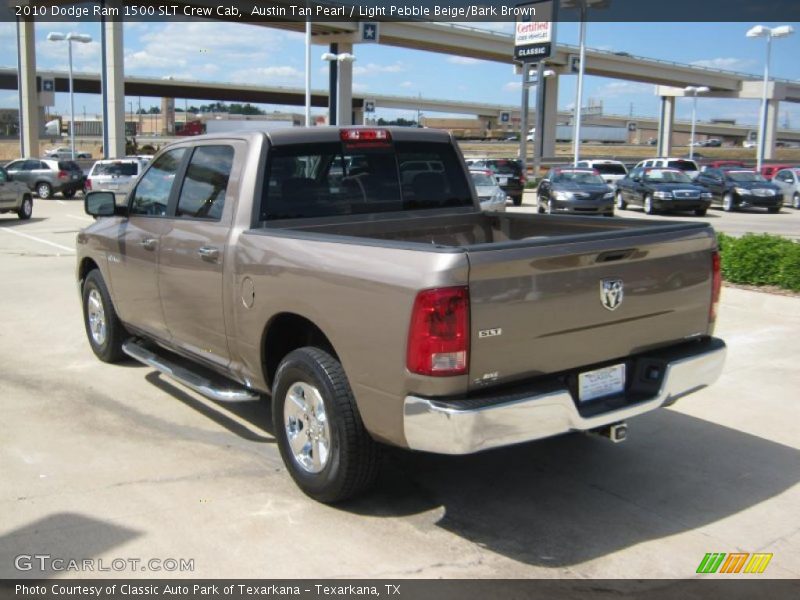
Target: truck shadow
{"x":58,"y":536}
{"x":571,"y":499}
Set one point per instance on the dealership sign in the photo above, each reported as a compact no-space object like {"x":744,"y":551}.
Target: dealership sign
{"x":535,"y":31}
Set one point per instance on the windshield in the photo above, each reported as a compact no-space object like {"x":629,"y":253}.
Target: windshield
{"x":609,"y":169}
{"x":118,"y":168}
{"x":744,"y":176}
{"x":659,"y":176}
{"x":580,"y":177}
{"x":68,"y":165}
{"x":683,"y":165}
{"x":482,"y":179}
{"x":504,"y":166}
{"x":322,"y":180}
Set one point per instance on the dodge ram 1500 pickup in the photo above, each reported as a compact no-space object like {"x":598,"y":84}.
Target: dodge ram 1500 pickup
{"x":374,"y":302}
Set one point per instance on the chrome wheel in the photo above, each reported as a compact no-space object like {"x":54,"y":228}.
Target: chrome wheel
{"x":97,"y":317}
{"x":727,"y":203}
{"x":648,"y":205}
{"x":550,"y":206}
{"x":26,"y":210}
{"x":620,"y":202}
{"x":307,"y":428}
{"x":796,"y":201}
{"x":44,"y":190}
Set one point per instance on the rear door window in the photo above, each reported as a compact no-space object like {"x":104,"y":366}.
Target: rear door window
{"x":206,"y":182}
{"x":609,"y":169}
{"x":152,"y":194}
{"x":116,"y":169}
{"x":683,"y":165}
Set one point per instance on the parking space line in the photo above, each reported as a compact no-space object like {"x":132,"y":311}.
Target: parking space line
{"x":36,"y":239}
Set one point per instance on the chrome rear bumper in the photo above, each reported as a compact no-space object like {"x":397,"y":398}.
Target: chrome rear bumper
{"x":437,"y":426}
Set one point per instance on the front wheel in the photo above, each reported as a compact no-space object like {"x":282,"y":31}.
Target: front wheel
{"x":621,"y":204}
{"x":796,"y":201}
{"x":648,"y":205}
{"x":727,"y":203}
{"x":68,"y":194}
{"x":322,"y":440}
{"x":103,"y":327}
{"x":26,"y":208}
{"x":700,"y":212}
{"x":517,"y":200}
{"x":773,"y":210}
{"x":44,"y":190}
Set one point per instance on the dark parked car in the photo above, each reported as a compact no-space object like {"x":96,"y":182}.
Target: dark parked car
{"x":47,"y":177}
{"x":735,"y":189}
{"x":507,"y":171}
{"x":575,"y":191}
{"x":662,"y":190}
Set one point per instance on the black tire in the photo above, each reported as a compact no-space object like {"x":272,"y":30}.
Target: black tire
{"x":611,"y":214}
{"x":700,"y":212}
{"x":517,"y":200}
{"x":621,"y":204}
{"x":648,"y":205}
{"x":353,"y":456}
{"x":44,"y":190}
{"x":773,"y":210}
{"x":109,"y":348}
{"x":26,"y":208}
{"x":68,"y":194}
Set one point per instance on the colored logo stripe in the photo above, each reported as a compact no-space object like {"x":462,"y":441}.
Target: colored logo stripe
{"x":735,"y":561}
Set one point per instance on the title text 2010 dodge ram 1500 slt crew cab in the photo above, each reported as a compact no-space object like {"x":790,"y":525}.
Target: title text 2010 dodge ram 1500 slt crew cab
{"x":376,"y":304}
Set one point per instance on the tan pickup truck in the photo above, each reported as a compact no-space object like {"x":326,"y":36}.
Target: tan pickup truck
{"x":376,"y":304}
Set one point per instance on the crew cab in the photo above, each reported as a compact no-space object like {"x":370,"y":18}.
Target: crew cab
{"x":299,"y":265}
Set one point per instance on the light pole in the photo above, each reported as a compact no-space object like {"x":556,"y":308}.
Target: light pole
{"x":694,"y":90}
{"x":308,"y":73}
{"x":582,"y":5}
{"x":69,"y":38}
{"x":343,"y":57}
{"x":769,"y":33}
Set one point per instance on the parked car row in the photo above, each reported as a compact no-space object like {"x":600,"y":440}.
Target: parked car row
{"x":47,"y":177}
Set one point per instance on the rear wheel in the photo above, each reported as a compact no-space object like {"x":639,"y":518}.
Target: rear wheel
{"x":103,"y":327}
{"x":26,"y":208}
{"x":44,"y":190}
{"x":727,"y":203}
{"x":68,"y":194}
{"x":796,"y":201}
{"x":774,"y":209}
{"x":700,"y":212}
{"x":517,"y":200}
{"x":322,"y":440}
{"x":621,"y":204}
{"x":648,"y":205}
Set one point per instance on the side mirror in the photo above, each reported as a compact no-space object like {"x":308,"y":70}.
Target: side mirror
{"x":102,"y":204}
{"x":636,"y":178}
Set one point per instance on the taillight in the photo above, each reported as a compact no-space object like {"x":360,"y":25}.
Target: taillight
{"x":716,"y":284}
{"x":365,"y":135}
{"x":438,"y":338}
{"x":88,"y":184}
{"x":63,"y":175}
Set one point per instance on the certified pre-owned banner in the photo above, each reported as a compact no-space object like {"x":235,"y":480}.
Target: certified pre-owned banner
{"x":534,"y":31}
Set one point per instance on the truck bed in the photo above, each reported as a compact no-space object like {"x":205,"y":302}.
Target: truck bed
{"x":539,"y":280}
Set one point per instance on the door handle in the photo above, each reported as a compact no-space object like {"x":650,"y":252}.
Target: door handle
{"x":208,"y":253}
{"x":148,"y":243}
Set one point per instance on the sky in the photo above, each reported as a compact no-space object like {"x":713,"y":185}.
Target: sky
{"x":237,"y":53}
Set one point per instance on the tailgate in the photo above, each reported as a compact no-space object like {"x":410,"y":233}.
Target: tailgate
{"x":544,"y":308}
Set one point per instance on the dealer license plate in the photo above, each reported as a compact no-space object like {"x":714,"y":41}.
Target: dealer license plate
{"x":602,"y":382}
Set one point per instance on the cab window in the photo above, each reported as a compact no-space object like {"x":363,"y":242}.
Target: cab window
{"x":152,"y":194}
{"x":203,"y":190}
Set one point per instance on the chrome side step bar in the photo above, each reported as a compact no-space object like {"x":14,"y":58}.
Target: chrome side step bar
{"x":220,"y":390}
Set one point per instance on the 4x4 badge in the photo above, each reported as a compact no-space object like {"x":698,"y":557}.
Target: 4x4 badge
{"x":611,"y":293}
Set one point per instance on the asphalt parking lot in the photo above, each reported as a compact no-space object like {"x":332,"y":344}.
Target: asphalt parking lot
{"x":105,"y":462}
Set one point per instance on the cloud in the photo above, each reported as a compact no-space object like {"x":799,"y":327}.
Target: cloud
{"x":268,"y":75}
{"x":463,"y":60}
{"x":512,"y":86}
{"x":375,"y":69}
{"x":729,"y":64}
{"x":407,"y":84}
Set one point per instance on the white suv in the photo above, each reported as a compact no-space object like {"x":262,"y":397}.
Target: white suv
{"x":686,"y":165}
{"x":610,"y":170}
